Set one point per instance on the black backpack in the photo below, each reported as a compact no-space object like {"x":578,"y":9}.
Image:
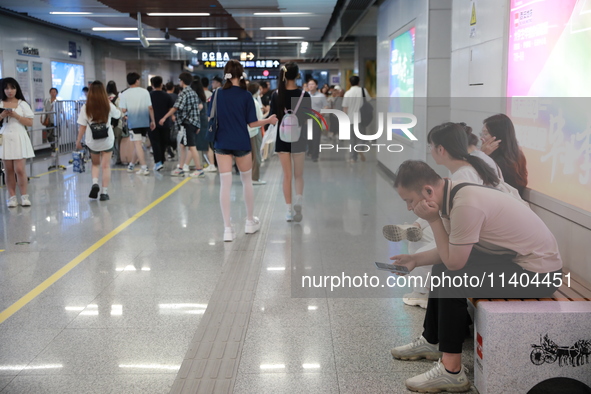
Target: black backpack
{"x":366,"y":111}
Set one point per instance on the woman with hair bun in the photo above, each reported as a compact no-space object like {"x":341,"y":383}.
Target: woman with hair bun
{"x":235,"y":112}
{"x":292,"y":154}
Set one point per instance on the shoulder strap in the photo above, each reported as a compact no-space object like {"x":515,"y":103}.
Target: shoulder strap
{"x":363,"y":92}
{"x":299,"y":101}
{"x":214,"y":104}
{"x":457,"y":188}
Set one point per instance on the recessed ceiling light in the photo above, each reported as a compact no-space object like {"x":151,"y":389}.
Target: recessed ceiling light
{"x":188,"y":48}
{"x":194,"y":51}
{"x":215,"y":38}
{"x":285,"y":28}
{"x":114,"y":28}
{"x":284,"y":38}
{"x":178,"y":44}
{"x":149,"y":39}
{"x":196,"y":28}
{"x":70,"y":13}
{"x":281,"y":13}
{"x":178,"y":14}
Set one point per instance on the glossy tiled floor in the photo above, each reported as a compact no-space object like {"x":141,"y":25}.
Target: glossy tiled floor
{"x":125,"y":317}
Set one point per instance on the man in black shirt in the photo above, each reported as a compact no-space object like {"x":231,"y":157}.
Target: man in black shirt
{"x":162,"y":102}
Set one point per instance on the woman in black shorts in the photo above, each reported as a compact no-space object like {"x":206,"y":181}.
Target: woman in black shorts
{"x":291,"y":155}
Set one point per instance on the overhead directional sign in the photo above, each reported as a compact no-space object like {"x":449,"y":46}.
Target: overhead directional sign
{"x":246,"y":56}
{"x":268,"y":63}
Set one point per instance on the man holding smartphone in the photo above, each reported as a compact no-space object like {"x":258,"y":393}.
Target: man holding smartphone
{"x":478,"y":230}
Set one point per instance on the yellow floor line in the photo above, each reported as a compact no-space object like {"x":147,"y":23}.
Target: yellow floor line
{"x":11,"y":310}
{"x":46,"y":173}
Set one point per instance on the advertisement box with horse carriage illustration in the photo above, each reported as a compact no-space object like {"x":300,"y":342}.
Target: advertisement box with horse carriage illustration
{"x":524,"y":345}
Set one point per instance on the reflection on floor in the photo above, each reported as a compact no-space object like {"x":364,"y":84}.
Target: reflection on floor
{"x":124,"y":318}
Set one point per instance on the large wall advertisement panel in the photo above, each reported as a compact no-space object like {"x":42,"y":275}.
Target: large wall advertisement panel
{"x":549,"y":79}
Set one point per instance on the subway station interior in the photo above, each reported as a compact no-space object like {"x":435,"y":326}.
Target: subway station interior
{"x":148,"y":289}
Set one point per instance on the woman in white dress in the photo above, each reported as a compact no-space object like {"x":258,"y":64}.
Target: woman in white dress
{"x":98,"y":111}
{"x":16,"y":145}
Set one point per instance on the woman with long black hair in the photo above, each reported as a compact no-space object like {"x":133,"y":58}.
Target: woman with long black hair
{"x":16,"y":145}
{"x":500,"y":143}
{"x":234,"y":112}
{"x":292,"y":154}
{"x":97,"y":113}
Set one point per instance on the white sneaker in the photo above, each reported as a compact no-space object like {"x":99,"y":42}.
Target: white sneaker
{"x":143,"y":171}
{"x":130,"y":167}
{"x":399,"y":232}
{"x":252,"y":226}
{"x":11,"y":202}
{"x":25,"y":202}
{"x":178,"y":172}
{"x":197,"y":174}
{"x":186,"y":168}
{"x":416,"y":350}
{"x":289,"y":216}
{"x":210,"y":168}
{"x":416,"y":299}
{"x":229,"y":234}
{"x":438,"y":379}
{"x":297,"y":208}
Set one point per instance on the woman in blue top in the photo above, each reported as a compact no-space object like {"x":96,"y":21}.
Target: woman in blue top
{"x":235,"y":111}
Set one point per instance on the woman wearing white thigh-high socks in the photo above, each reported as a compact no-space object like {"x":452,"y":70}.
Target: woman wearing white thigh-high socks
{"x":235,"y":111}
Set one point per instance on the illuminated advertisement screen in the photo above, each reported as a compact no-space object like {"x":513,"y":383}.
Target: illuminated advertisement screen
{"x":402,"y":65}
{"x":68,"y":79}
{"x":549,"y":65}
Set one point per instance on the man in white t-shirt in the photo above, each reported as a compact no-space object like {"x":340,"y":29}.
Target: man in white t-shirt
{"x":352,"y":103}
{"x":136,"y":103}
{"x":205,"y":83}
{"x":318,"y":103}
{"x":484,"y":238}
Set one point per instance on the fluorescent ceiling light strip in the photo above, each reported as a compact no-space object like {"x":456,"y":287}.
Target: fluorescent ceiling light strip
{"x":215,"y":38}
{"x":280,"y":13}
{"x":284,"y":38}
{"x":137,"y":39}
{"x":114,"y":28}
{"x":70,"y":13}
{"x":285,"y":28}
{"x":196,"y":28}
{"x":178,"y":14}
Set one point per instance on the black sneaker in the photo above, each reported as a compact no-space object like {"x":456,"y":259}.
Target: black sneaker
{"x":94,"y":191}
{"x":104,"y":197}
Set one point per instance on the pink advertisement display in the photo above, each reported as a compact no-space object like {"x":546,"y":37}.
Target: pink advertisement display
{"x":549,"y":78}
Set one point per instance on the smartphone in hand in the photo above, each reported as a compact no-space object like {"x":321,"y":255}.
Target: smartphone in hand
{"x":397,"y":269}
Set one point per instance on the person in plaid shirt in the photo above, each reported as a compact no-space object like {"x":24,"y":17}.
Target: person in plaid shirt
{"x":187,"y":110}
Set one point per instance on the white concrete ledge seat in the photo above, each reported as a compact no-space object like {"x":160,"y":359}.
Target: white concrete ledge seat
{"x":522,"y":343}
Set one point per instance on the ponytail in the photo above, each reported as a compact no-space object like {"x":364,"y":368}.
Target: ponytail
{"x":453,"y":138}
{"x":289,"y":71}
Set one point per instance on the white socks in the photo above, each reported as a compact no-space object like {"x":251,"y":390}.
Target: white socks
{"x":95,"y":181}
{"x":246,"y":178}
{"x":226,"y":186}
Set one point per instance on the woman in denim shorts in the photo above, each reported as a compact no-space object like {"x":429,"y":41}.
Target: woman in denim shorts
{"x":235,"y":111}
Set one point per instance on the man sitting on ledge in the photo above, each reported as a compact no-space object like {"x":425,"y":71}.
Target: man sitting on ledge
{"x":489,"y":245}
